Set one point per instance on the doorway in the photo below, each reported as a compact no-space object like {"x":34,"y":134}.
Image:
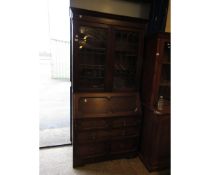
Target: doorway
{"x":55,"y":84}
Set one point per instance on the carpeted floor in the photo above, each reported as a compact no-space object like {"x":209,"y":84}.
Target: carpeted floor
{"x":58,"y":161}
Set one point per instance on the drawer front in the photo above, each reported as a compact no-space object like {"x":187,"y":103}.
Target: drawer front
{"x":128,"y":145}
{"x":91,"y":150}
{"x":118,"y":122}
{"x":116,"y":133}
{"x":92,"y":136}
{"x":125,"y":122}
{"x":90,"y":124}
{"x":132,"y":131}
{"x":132,"y":121}
{"x":124,"y":132}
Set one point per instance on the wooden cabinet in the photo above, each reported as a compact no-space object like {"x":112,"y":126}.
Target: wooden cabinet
{"x":156,"y":73}
{"x":107,"y":58}
{"x":155,"y":140}
{"x":105,"y":134}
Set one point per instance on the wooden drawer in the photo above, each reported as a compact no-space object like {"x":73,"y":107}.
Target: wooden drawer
{"x":132,"y":131}
{"x":128,"y":145}
{"x":86,"y":151}
{"x":90,"y":124}
{"x":132,"y":121}
{"x":124,"y":132}
{"x":92,"y":136}
{"x":125,"y":122}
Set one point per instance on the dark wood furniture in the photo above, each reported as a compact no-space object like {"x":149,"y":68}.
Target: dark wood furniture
{"x":155,"y":140}
{"x":106,"y":126}
{"x":107,"y":58}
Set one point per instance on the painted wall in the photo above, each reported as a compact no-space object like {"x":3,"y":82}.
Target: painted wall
{"x":119,"y":7}
{"x":168,"y":21}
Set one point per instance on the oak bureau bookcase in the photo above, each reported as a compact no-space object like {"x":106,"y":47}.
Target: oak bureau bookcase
{"x":107,"y":59}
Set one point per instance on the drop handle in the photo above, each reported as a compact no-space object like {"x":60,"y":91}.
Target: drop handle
{"x":136,"y":109}
{"x":85,"y":100}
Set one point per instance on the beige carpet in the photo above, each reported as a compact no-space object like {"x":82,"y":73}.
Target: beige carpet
{"x":54,"y":136}
{"x":58,"y":161}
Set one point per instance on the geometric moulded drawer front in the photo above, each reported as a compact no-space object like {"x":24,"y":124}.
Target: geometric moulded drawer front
{"x":90,"y":124}
{"x":93,"y":105}
{"x":120,"y":146}
{"x":120,"y":122}
{"x":92,"y":136}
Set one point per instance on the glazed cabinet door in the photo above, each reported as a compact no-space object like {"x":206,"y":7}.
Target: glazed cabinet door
{"x":164,"y":73}
{"x":127,"y":55}
{"x":90,"y":55}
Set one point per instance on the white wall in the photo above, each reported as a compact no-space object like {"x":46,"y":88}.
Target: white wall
{"x":59,"y":19}
{"x":43,"y":29}
{"x":54,"y":23}
{"x":119,"y":7}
